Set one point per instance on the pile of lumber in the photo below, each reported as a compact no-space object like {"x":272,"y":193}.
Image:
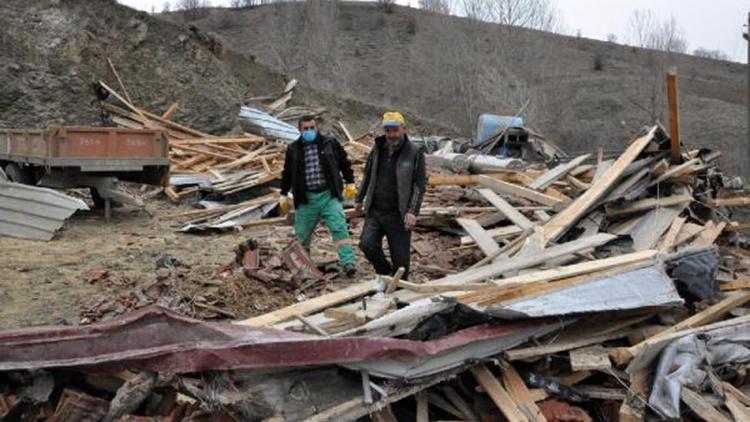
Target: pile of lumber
{"x":594,"y":290}
{"x":619,"y":259}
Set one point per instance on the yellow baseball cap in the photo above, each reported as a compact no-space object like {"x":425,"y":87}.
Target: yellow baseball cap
{"x":393,"y":118}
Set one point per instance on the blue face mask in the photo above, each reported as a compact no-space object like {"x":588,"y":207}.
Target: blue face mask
{"x":309,"y":135}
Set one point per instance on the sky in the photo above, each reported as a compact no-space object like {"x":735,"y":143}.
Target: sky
{"x":716,"y":24}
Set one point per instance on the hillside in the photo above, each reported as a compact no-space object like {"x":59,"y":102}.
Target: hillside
{"x":583,"y":93}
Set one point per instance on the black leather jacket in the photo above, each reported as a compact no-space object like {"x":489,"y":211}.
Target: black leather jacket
{"x":411,"y":174}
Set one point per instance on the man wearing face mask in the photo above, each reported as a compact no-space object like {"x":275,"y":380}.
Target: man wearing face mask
{"x":313,"y":170}
{"x":391,"y":196}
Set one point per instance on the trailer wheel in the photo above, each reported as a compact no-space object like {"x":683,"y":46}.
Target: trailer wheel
{"x":16,"y":174}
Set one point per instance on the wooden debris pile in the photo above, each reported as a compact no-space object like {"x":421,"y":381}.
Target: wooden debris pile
{"x":594,"y":290}
{"x":629,"y":255}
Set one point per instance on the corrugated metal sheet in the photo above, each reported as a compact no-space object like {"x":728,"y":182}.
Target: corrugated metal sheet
{"x":30,"y":212}
{"x":260,"y":123}
{"x":157,"y":339}
{"x":640,"y":288}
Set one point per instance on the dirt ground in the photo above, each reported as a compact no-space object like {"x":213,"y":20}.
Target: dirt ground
{"x":47,"y":283}
{"x":44,"y":282}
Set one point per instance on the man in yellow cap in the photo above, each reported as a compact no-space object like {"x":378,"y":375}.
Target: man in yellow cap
{"x":391,"y":196}
{"x":313,"y":168}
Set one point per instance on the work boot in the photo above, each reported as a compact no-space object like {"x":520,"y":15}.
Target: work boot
{"x":350,"y":270}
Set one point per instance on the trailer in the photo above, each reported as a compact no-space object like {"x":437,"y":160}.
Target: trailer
{"x":94,"y":157}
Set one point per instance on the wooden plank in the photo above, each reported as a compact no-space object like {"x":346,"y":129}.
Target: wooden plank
{"x":507,"y":209}
{"x":119,"y":80}
{"x":170,"y":111}
{"x":622,"y":189}
{"x":439,"y":288}
{"x":565,"y":219}
{"x":652,"y":225}
{"x":485,"y":242}
{"x":538,"y":394}
{"x":212,"y":141}
{"x":737,"y":393}
{"x":739,"y":411}
{"x":498,"y":394}
{"x":546,"y":179}
{"x":311,"y":305}
{"x":592,"y":357}
{"x":172,"y":194}
{"x":573,"y":270}
{"x":671,"y":237}
{"x":701,"y":407}
{"x":689,"y":232}
{"x":506,"y":188}
{"x":520,"y":394}
{"x":740,"y":201}
{"x":648,"y":204}
{"x":707,"y":316}
{"x":677,"y":171}
{"x":176,"y":126}
{"x":209,"y":153}
{"x":709,"y":235}
{"x":507,"y":250}
{"x":735,"y":285}
{"x":496,"y":233}
{"x":127,"y":103}
{"x":394,"y":280}
{"x":501,"y":267}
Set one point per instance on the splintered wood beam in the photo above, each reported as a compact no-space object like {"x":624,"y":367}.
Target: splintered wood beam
{"x":507,"y":209}
{"x":566,"y":218}
{"x":546,"y":179}
{"x":701,"y":406}
{"x":310,"y":306}
{"x":170,"y":111}
{"x":506,"y":188}
{"x":498,"y":394}
{"x":520,"y":394}
{"x":483,"y":239}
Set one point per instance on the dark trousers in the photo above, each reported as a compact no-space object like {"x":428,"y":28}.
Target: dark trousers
{"x":390,"y":225}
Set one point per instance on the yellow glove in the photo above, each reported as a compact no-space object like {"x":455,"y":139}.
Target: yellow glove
{"x":284,"y":205}
{"x":350,"y":191}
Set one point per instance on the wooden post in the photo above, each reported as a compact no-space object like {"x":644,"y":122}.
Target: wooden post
{"x":674,"y":115}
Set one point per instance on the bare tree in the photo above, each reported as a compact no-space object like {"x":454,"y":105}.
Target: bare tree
{"x":612,"y":38}
{"x":437,"y":6}
{"x":711,"y":54}
{"x":646,"y":31}
{"x":476,"y":9}
{"x":194,"y":9}
{"x":534,"y":14}
{"x":166,"y":7}
{"x":669,"y":37}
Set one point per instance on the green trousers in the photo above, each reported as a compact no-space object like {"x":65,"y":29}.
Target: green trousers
{"x":323,"y":205}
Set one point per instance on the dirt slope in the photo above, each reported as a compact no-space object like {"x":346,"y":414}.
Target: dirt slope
{"x":51,"y":52}
{"x":583,"y":93}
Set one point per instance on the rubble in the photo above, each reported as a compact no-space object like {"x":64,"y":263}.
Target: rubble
{"x":585,"y":289}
